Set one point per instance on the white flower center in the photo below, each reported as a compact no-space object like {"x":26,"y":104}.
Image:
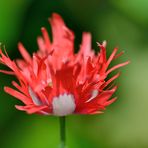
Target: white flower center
{"x":63,"y":105}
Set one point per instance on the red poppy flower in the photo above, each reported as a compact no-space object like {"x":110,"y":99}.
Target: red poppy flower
{"x":57,"y":81}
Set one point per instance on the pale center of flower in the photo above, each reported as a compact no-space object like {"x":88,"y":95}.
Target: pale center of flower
{"x":63,"y":105}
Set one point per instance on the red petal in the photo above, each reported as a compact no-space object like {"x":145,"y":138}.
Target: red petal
{"x":106,"y":95}
{"x":7,"y":72}
{"x":24,"y":53}
{"x":117,"y":66}
{"x":86,"y":44}
{"x":18,"y":95}
{"x":62,"y":36}
{"x":118,"y":55}
{"x":16,"y":85}
{"x":102,"y":53}
{"x":110,"y":101}
{"x":30,"y":109}
{"x":46,"y":39}
{"x":111,"y":56}
{"x":110,"y":80}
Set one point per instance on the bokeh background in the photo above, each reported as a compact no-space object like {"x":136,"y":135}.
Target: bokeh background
{"x":123,"y":23}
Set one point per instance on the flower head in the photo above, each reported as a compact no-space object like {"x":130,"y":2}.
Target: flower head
{"x":57,"y":81}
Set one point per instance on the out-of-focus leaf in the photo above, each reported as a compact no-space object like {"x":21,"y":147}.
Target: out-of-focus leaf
{"x":134,"y":9}
{"x":11,"y":20}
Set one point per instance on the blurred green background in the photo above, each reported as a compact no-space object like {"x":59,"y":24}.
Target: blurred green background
{"x":122,"y":23}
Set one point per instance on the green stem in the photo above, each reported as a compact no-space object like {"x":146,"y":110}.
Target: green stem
{"x":62,"y":132}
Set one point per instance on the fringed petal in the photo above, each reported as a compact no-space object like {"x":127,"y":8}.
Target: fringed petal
{"x":24,"y":53}
{"x":18,"y":95}
{"x":85,"y":47}
{"x":30,"y":109}
{"x":116,"y":67}
{"x":7,"y":72}
{"x":46,"y":39}
{"x":111,"y":56}
{"x":110,"y":80}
